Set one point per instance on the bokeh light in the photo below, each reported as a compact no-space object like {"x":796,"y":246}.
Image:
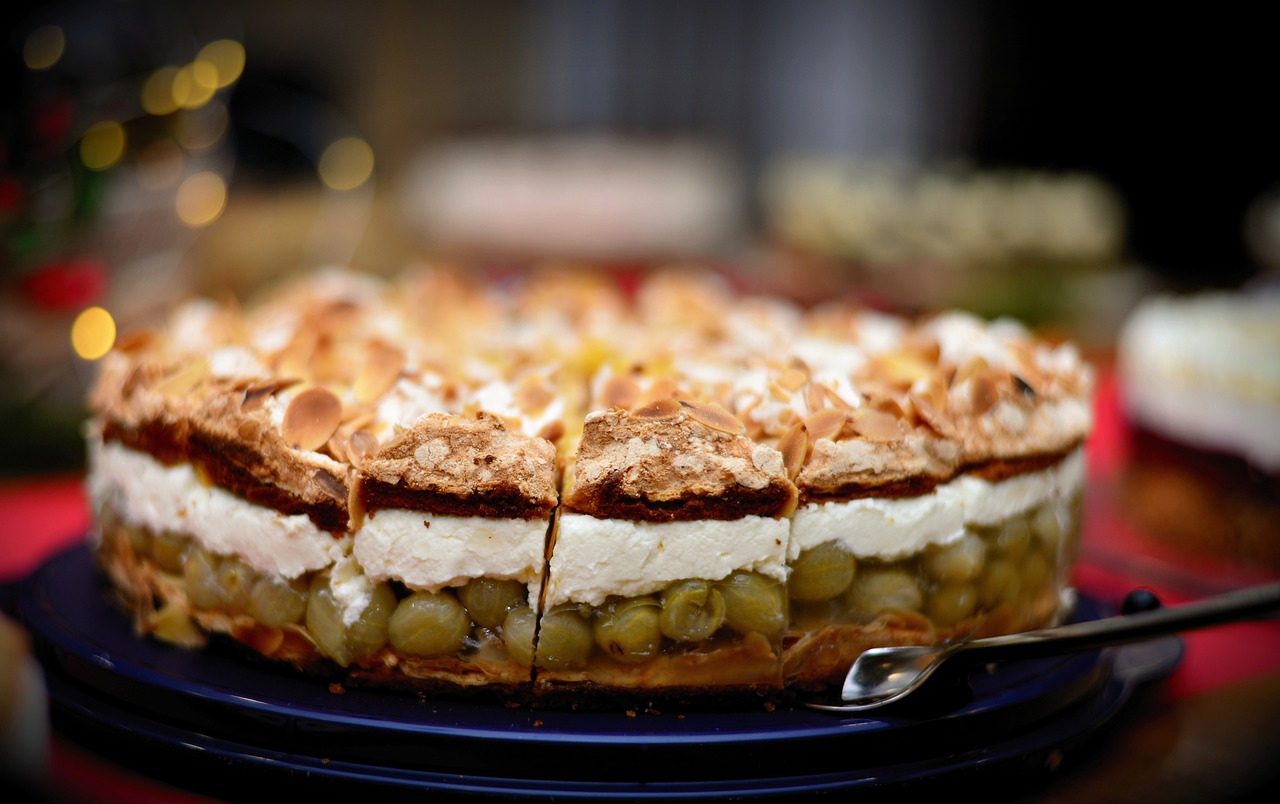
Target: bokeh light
{"x":157,"y":92}
{"x":201,"y":199}
{"x":346,"y":164}
{"x":102,"y":145}
{"x":194,"y":85}
{"x":93,"y":333}
{"x":44,"y":47}
{"x":226,"y":58}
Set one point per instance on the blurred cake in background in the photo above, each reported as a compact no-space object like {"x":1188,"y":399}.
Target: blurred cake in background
{"x":580,"y":198}
{"x":1200,"y":385}
{"x":1044,"y":247}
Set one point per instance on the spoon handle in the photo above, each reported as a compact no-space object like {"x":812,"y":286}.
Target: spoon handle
{"x":1256,"y":602}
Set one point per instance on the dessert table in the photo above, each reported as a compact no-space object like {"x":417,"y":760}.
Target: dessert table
{"x":1207,"y":730}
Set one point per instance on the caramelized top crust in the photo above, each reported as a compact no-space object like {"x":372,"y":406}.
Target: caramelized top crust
{"x":462,"y":466}
{"x":685,"y":401}
{"x":672,"y":466}
{"x":180,"y":413}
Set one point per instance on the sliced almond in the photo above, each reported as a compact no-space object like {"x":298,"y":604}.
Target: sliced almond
{"x":971,"y":368}
{"x":382,"y":366}
{"x":256,"y":395}
{"x":983,"y":393}
{"x":903,"y":367}
{"x":294,"y":360}
{"x":552,"y":431}
{"x":620,"y":391}
{"x":835,"y":399}
{"x":793,"y":379}
{"x":533,"y":395}
{"x":715,"y":417}
{"x":825,"y":423}
{"x":361,"y":446}
{"x":794,"y":446}
{"x":329,"y":484}
{"x":932,"y":413}
{"x":658,"y":410}
{"x":890,"y":405}
{"x":312,"y":416}
{"x":184,"y":379}
{"x":355,"y":506}
{"x":877,"y":426}
{"x":815,"y":398}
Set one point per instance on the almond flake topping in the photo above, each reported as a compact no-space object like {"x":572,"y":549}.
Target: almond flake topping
{"x":825,"y":423}
{"x":533,"y":396}
{"x":658,"y":410}
{"x":983,"y":393}
{"x":361,"y":446}
{"x":904,"y":367}
{"x":877,"y":426}
{"x":183,"y":380}
{"x":815,"y":397}
{"x":312,"y":416}
{"x":715,"y":417}
{"x":792,"y":380}
{"x":794,"y":446}
{"x":382,"y":366}
{"x":620,"y":391}
{"x":256,"y":395}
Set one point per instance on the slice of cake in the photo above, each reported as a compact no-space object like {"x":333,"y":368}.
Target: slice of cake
{"x":326,"y":486}
{"x":940,"y":500}
{"x":1199,"y":378}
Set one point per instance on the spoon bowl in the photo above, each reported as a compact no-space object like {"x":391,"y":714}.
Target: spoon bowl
{"x":881,"y":676}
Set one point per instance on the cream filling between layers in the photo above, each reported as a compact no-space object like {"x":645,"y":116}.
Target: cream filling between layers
{"x":430,"y":552}
{"x":891,"y":529}
{"x":147,"y":493}
{"x":594,"y":558}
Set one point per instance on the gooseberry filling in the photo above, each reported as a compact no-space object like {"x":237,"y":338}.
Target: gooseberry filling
{"x":992,"y":579}
{"x":486,"y":621}
{"x":686,"y":617}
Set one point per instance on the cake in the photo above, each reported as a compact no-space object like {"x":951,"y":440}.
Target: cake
{"x":1199,"y":377}
{"x":554,"y":492}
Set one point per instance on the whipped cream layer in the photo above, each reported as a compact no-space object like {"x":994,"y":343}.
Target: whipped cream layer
{"x":430,"y":552}
{"x":594,"y":558}
{"x":894,"y":528}
{"x":147,"y":493}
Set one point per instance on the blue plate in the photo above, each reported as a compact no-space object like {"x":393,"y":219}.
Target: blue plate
{"x":219,"y":723}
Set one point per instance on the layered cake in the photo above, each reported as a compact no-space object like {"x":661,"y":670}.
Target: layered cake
{"x":1200,"y":385}
{"x":554,"y":492}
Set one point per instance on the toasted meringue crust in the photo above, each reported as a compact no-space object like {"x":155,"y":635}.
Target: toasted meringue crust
{"x":674,"y":469}
{"x":462,"y":466}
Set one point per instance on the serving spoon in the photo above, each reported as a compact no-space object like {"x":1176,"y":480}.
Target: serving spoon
{"x":881,"y":676}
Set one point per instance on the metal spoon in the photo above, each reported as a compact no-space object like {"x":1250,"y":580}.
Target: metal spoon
{"x":883,"y":675}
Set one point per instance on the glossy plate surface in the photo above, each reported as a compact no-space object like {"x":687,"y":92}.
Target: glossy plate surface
{"x":189,"y":717}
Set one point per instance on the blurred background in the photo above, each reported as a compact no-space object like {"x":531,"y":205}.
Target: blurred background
{"x":1055,"y":162}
